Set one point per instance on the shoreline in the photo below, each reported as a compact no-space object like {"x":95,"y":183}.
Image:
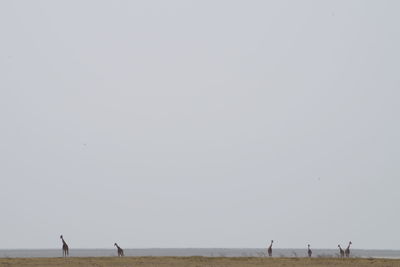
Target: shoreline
{"x":202,"y":252}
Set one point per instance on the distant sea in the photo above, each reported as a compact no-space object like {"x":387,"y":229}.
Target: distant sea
{"x":187,"y":252}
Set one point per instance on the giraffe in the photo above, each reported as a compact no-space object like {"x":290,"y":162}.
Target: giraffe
{"x":341,"y":251}
{"x":120,"y":250}
{"x":309,"y":251}
{"x":270,"y":249}
{"x":64,"y":247}
{"x":347,"y":250}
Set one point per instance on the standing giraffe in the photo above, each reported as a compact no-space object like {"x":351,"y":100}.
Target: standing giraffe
{"x":347,"y":251}
{"x":341,"y":251}
{"x":270,"y":249}
{"x":64,"y":247}
{"x":120,"y":250}
{"x":309,"y":251}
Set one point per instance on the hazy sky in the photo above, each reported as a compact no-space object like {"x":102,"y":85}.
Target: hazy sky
{"x":199,"y":123}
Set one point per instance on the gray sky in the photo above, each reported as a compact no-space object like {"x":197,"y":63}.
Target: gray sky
{"x":199,"y":123}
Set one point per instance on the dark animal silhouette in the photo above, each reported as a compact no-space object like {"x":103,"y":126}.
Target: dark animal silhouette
{"x":309,"y":251}
{"x":270,"y":249}
{"x":120,"y":250}
{"x":64,"y":247}
{"x":341,"y":251}
{"x":347,"y":251}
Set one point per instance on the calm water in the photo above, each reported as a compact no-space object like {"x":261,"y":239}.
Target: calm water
{"x":207,"y":252}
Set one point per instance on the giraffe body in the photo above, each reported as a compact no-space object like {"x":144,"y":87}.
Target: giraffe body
{"x":347,"y":251}
{"x":341,"y":251}
{"x":119,"y":250}
{"x":269,"y":250}
{"x":64,"y":247}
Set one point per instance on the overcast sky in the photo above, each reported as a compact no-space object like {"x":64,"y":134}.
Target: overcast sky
{"x":199,"y":123}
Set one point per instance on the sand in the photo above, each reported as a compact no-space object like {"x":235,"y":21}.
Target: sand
{"x":196,"y":262}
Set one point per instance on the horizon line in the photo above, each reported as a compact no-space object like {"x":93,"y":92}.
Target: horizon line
{"x":275,"y":248}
